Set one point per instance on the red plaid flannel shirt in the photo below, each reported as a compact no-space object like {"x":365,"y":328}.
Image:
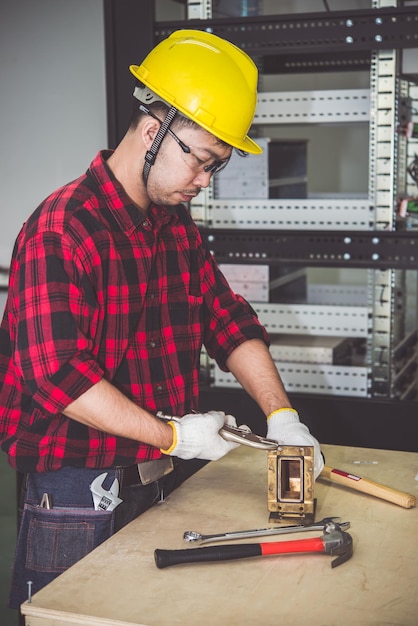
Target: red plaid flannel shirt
{"x":98,"y":290}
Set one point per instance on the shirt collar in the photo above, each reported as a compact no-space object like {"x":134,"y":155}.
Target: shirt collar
{"x":124,"y":211}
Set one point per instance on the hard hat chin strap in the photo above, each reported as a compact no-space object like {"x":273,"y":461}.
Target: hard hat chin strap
{"x":151,"y":154}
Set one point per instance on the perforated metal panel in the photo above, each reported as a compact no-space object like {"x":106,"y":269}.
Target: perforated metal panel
{"x":383,"y":144}
{"x":338,"y":214}
{"x":386,"y":180}
{"x":199,"y":9}
{"x":343,"y":295}
{"x":313,"y":107}
{"x":412,"y":148}
{"x":337,"y":321}
{"x":301,"y":247}
{"x":305,"y":378}
{"x":321,"y":40}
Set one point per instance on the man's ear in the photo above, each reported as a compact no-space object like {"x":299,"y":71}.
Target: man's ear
{"x":149,"y":129}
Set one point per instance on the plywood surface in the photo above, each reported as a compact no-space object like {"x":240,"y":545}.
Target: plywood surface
{"x":119,"y":582}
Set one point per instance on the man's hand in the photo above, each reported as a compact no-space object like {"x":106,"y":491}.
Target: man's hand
{"x":283,"y":425}
{"x":196,"y":436}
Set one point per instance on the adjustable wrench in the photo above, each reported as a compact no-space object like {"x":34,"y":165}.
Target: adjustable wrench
{"x":105,"y":500}
{"x":193,"y":536}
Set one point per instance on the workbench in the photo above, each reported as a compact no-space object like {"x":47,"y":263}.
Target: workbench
{"x":119,"y":584}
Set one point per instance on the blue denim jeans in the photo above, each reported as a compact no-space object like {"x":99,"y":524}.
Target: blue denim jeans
{"x":51,"y":540}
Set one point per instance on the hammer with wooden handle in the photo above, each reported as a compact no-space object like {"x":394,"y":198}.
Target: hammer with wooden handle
{"x":368,"y":486}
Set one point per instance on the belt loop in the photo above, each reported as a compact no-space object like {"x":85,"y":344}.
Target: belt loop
{"x":119,"y":475}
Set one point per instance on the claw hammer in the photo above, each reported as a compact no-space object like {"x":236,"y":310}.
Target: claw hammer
{"x":334,"y":541}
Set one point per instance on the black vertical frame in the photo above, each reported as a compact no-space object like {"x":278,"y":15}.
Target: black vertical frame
{"x":129,"y":36}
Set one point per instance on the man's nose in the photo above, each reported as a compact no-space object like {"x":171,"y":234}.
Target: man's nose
{"x":202,"y":179}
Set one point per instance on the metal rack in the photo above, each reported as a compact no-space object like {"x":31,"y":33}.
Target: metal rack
{"x":335,"y":232}
{"x":352,"y":405}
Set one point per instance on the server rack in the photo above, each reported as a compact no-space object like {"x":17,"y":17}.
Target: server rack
{"x":357,"y":404}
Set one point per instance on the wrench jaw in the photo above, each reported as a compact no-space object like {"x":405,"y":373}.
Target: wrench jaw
{"x":192,"y":536}
{"x":104,"y":500}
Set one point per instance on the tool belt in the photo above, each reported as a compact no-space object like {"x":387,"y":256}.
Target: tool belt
{"x":144,"y":473}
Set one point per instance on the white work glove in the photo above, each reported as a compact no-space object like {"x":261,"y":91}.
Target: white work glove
{"x":196,"y":436}
{"x":283,"y":426}
{"x":231,"y":421}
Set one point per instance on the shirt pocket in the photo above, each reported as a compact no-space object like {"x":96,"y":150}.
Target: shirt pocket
{"x":185,"y":311}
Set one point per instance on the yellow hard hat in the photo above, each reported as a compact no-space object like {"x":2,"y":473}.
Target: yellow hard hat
{"x":209,"y":80}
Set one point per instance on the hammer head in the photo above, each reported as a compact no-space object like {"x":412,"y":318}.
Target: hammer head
{"x":337,"y":541}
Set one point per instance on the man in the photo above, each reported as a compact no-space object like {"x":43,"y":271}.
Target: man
{"x":112,"y":295}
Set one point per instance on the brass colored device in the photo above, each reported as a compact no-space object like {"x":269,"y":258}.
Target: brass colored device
{"x":291,"y":483}
{"x":290,"y":474}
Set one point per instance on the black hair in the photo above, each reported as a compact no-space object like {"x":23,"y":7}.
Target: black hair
{"x":160,"y":109}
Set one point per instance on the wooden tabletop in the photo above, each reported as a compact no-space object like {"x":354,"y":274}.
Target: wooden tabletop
{"x":119,"y":583}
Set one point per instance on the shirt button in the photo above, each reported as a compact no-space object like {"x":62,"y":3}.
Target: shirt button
{"x":152,"y":344}
{"x":158,"y":388}
{"x":146,"y":223}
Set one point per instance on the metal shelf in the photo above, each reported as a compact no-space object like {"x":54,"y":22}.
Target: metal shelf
{"x":372,"y":250}
{"x":318,"y":379}
{"x":314,"y":319}
{"x":343,"y":106}
{"x":313,"y":107}
{"x":259,"y":215}
{"x":300,"y":37}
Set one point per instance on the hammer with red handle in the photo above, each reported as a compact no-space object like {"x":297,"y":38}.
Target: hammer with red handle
{"x":334,"y":541}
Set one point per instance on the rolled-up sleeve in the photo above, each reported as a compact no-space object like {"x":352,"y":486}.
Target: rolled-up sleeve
{"x":55,"y":312}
